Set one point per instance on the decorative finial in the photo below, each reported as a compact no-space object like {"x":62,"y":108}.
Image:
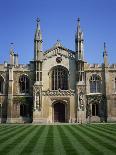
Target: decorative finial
{"x":105,"y":51}
{"x":12,"y":47}
{"x":78,"y":19}
{"x":38,"y":23}
{"x":78,"y":25}
{"x":38,"y":20}
{"x":104,"y":46}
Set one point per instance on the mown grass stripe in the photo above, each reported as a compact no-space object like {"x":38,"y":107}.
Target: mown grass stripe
{"x":84,"y":141}
{"x":59,"y":150}
{"x":15,"y":140}
{"x":29,"y":145}
{"x":68,"y":147}
{"x":111,"y":127}
{"x":49,"y":143}
{"x":105,"y":130}
{"x":79,"y":148}
{"x":101,"y":133}
{"x":5,"y":127}
{"x":8,"y":135}
{"x":100,"y":140}
{"x":7,"y":130}
{"x":40,"y":142}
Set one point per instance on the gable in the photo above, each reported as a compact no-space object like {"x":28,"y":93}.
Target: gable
{"x":58,"y":49}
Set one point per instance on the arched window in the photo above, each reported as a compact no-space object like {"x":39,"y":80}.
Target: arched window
{"x":95,"y":84}
{"x":59,"y":78}
{"x":24,"y":84}
{"x":1,"y":84}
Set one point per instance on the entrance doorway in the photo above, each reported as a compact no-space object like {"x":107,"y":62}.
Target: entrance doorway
{"x":59,"y":112}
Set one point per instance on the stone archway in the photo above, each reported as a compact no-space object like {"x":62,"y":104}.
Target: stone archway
{"x":59,"y":112}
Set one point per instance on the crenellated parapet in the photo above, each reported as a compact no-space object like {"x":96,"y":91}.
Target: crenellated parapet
{"x":21,"y":67}
{"x":93,"y":66}
{"x":112,"y":67}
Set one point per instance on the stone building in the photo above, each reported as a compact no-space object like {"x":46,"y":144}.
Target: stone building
{"x":58,"y":85}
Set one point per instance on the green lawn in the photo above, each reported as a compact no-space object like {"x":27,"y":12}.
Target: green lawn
{"x":94,"y":139}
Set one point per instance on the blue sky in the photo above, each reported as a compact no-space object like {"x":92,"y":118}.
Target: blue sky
{"x":58,"y":21}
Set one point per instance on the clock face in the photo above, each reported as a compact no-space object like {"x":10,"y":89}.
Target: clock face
{"x":58,"y":59}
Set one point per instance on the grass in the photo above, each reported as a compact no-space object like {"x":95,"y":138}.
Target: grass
{"x":86,"y":139}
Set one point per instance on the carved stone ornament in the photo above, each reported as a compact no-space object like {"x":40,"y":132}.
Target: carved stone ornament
{"x":95,"y":98}
{"x":58,"y":92}
{"x":58,"y":59}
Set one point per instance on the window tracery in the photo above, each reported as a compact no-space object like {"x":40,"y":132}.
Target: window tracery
{"x":95,"y":84}
{"x":24,"y":84}
{"x":59,"y":78}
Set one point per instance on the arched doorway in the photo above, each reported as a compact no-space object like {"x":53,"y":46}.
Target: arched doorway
{"x":59,"y":112}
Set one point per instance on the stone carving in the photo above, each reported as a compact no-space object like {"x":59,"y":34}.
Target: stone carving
{"x":81,"y":100}
{"x":38,"y":100}
{"x":58,"y":92}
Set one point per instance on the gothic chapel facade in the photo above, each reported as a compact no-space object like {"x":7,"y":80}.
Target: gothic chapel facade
{"x":57,"y":86}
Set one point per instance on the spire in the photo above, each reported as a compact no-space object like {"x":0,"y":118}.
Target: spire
{"x":79,"y":42}
{"x":105,"y":51}
{"x":105,"y":55}
{"x":12,"y":48}
{"x":38,"y":41}
{"x":38,"y":23}
{"x":38,"y":35}
{"x":78,"y":25}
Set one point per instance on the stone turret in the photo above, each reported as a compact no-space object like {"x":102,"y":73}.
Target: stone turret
{"x":80,"y":84}
{"x":38,"y":60}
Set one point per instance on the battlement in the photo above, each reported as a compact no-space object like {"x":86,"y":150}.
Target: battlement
{"x":2,"y":66}
{"x":93,"y":66}
{"x":112,"y":66}
{"x":23,"y":66}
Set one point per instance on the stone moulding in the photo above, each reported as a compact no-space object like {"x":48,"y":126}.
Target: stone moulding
{"x":58,"y":92}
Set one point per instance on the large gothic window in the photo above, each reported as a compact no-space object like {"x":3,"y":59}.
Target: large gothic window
{"x":59,"y":78}
{"x":1,"y":84}
{"x":95,"y":84}
{"x":24,"y":84}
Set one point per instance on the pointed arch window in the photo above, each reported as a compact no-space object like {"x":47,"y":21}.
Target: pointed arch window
{"x":95,"y":84}
{"x":24,"y":84}
{"x":1,"y":85}
{"x":59,"y":78}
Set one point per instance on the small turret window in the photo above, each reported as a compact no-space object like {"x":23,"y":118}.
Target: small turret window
{"x":1,"y":84}
{"x":115,"y":85}
{"x":95,"y":84}
{"x":24,"y":84}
